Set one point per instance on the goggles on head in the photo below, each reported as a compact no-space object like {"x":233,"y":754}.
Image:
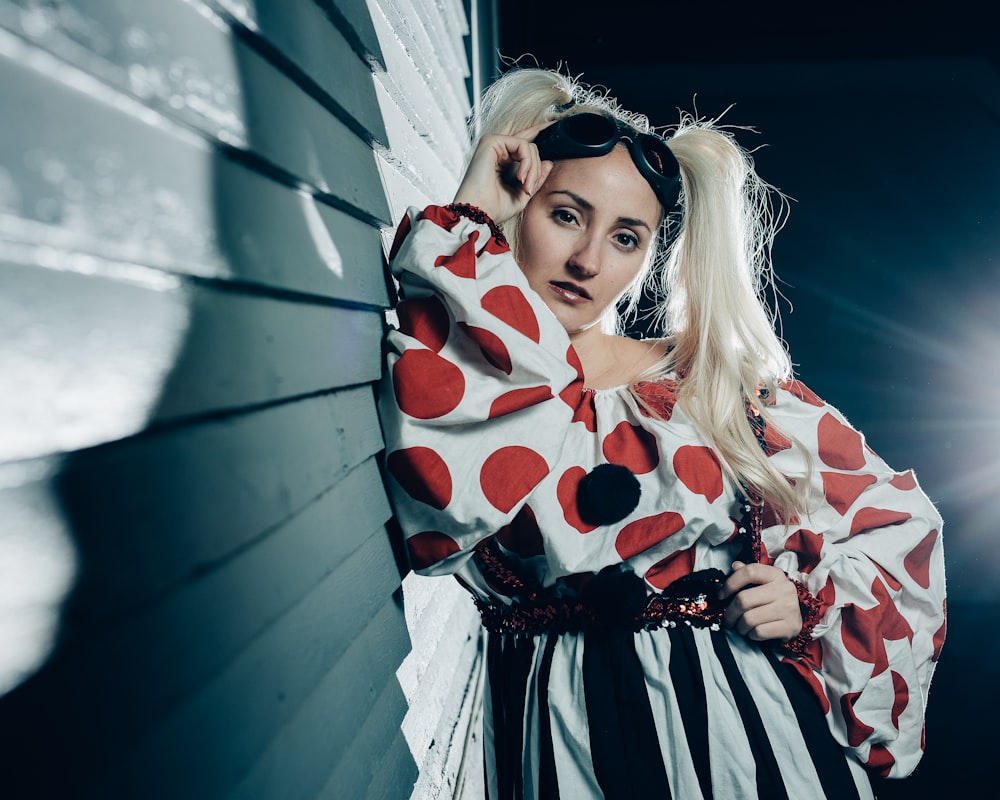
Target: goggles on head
{"x":588,"y":135}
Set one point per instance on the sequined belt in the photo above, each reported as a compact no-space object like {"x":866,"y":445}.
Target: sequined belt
{"x":614,"y":598}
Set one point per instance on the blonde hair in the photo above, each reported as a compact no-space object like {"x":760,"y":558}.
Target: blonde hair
{"x":715,"y":270}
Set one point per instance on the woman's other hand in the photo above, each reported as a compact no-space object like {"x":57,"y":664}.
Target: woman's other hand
{"x":503,"y":174}
{"x":765,"y":603}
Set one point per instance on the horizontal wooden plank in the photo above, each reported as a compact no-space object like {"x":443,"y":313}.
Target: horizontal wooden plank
{"x":150,"y":512}
{"x":97,"y":358}
{"x":354,"y":21}
{"x":88,"y":152}
{"x":213,"y":739}
{"x":377,"y":746}
{"x":310,"y":40}
{"x":95,"y":179}
{"x":300,"y":757}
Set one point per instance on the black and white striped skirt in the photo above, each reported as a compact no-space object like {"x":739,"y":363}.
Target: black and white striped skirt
{"x":678,"y":712}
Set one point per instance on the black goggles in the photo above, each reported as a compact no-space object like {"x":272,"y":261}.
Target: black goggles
{"x":588,"y":135}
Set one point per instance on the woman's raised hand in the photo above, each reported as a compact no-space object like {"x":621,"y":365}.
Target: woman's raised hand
{"x":505,"y":171}
{"x":766,"y":603}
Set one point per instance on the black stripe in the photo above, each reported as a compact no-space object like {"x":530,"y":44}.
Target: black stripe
{"x":689,"y":689}
{"x":769,"y":783}
{"x":623,"y":742}
{"x":509,"y":664}
{"x":828,"y":757}
{"x":548,"y":783}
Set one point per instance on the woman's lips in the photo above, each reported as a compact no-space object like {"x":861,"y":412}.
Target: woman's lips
{"x":569,"y":292}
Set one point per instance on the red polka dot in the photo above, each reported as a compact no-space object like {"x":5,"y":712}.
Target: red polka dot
{"x":857,"y":731}
{"x":430,"y":547}
{"x":808,"y":546}
{"x":401,"y":233}
{"x":803,"y":392}
{"x":770,"y":517}
{"x":699,"y":470}
{"x":940,"y":633}
{"x":889,"y":578}
{"x":582,"y":404}
{"x":493,"y":247}
{"x":861,"y":634}
{"x":426,"y":386}
{"x":462,"y":262}
{"x":423,"y":474}
{"x":510,"y":305}
{"x":880,"y":759}
{"x":517,"y":399}
{"x":840,"y":447}
{"x":902,"y":697}
{"x":639,"y":536}
{"x":522,"y":536}
{"x":493,"y":350}
{"x":441,"y":216}
{"x":659,"y":396}
{"x":633,"y":447}
{"x":801,"y":667}
{"x":918,"y":561}
{"x":566,"y":493}
{"x":842,"y":489}
{"x":509,"y":474}
{"x":871,"y":518}
{"x":775,"y":441}
{"x":426,"y":320}
{"x":667,"y":570}
{"x":904,"y":481}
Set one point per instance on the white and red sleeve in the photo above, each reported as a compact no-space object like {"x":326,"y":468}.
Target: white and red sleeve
{"x":869,"y":553}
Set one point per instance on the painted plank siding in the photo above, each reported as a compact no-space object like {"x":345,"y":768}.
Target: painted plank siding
{"x":193,"y":538}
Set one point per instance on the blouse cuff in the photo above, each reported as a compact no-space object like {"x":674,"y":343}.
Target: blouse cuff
{"x":478,"y":215}
{"x":811,"y":609}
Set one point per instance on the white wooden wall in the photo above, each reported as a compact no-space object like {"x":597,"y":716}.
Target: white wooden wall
{"x":199,"y":596}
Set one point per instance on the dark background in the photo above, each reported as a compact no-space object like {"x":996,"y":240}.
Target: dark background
{"x":883,"y":126}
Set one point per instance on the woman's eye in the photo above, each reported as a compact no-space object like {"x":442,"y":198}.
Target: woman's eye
{"x":629,"y":240}
{"x":562,"y":215}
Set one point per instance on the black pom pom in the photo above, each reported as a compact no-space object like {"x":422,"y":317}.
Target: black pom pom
{"x":608,"y":493}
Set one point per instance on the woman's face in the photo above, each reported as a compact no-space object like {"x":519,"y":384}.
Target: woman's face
{"x":586,"y":235}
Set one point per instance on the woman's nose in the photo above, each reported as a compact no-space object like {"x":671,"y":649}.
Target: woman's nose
{"x":585,"y":260}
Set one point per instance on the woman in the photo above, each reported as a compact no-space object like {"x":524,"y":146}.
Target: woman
{"x":697,"y":579}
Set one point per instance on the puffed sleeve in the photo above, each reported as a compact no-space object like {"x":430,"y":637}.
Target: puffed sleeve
{"x":868,"y":560}
{"x":480,"y":388}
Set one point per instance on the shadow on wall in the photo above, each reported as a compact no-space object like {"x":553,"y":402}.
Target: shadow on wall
{"x":196,"y":650}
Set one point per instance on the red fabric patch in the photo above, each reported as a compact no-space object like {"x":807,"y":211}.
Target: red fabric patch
{"x":509,"y":474}
{"x":401,"y":233}
{"x":517,"y":399}
{"x":775,"y":441}
{"x":880,"y":759}
{"x":864,"y":631}
{"x":904,"y":481}
{"x":427,"y":386}
{"x":660,"y":396}
{"x":573,"y":359}
{"x":840,"y":446}
{"x":940,"y":633}
{"x":492,"y":348}
{"x":809,"y":676}
{"x":857,"y":731}
{"x":669,"y":569}
{"x":426,"y":320}
{"x":582,"y":404}
{"x":507,"y":303}
{"x":803,"y":392}
{"x":461,"y":263}
{"x":633,"y":447}
{"x":493,"y":247}
{"x":639,"y":536}
{"x":902,"y":693}
{"x":699,"y":470}
{"x":566,"y":493}
{"x":423,"y":474}
{"x":888,"y":577}
{"x":807,"y":546}
{"x":440,"y":216}
{"x":871,"y":518}
{"x":430,"y":547}
{"x":522,"y":536}
{"x":918,"y":560}
{"x":842,"y":489}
